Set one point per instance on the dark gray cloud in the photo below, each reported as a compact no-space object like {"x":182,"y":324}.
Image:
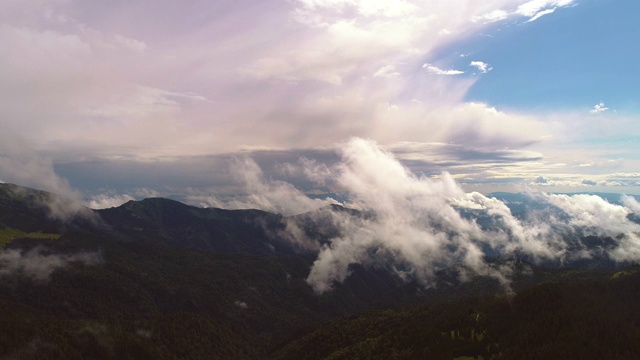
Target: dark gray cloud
{"x":184,"y":175}
{"x":177,"y":176}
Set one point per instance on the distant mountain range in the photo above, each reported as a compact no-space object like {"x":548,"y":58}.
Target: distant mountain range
{"x":158,"y":279}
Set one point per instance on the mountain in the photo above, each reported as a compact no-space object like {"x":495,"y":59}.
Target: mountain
{"x":173,"y":223}
{"x":32,"y":210}
{"x":97,"y":280}
{"x":158,"y":279}
{"x":592,"y":317}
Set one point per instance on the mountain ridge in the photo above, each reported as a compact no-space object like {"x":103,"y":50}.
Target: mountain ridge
{"x":159,"y":279}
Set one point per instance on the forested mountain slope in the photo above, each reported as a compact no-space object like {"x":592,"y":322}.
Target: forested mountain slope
{"x":158,"y":279}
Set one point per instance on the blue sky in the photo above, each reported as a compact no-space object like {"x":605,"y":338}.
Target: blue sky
{"x":572,"y":59}
{"x":118,"y":100}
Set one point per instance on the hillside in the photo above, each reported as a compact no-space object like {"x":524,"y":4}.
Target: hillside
{"x":154,"y":265}
{"x":173,"y":223}
{"x":158,"y":279}
{"x":575,"y":318}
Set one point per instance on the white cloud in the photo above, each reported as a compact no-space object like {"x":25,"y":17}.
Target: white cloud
{"x":632,"y":204}
{"x":110,"y":198}
{"x":387,"y":70}
{"x":533,"y":9}
{"x":496,"y":15}
{"x":417,"y":226}
{"x":572,"y":182}
{"x":436,"y":70}
{"x":104,"y":201}
{"x":594,"y":215}
{"x":541,"y":14}
{"x":260,"y":193}
{"x":21,"y":164}
{"x":481,"y":66}
{"x":599,"y":108}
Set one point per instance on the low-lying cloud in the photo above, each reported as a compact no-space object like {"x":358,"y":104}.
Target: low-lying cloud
{"x":21,"y":164}
{"x":39,"y":263}
{"x":418,"y":223}
{"x":275,"y":196}
{"x":104,"y":201}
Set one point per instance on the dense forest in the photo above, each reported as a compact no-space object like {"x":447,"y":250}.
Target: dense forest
{"x":590,"y":316}
{"x":157,"y":279}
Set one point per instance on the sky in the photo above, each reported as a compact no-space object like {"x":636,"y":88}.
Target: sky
{"x":116,"y":100}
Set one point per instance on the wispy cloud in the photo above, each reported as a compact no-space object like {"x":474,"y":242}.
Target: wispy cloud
{"x":494,"y":16}
{"x":21,"y":164}
{"x":387,"y":70}
{"x":481,"y":66}
{"x":104,"y":201}
{"x":436,"y":70}
{"x":256,"y":192}
{"x":540,"y":14}
{"x":537,"y":8}
{"x":533,"y":10}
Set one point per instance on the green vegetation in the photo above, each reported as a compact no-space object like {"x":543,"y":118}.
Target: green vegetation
{"x":178,"y":282}
{"x":36,"y":335}
{"x":592,"y":318}
{"x":8,"y":234}
{"x":242,"y":303}
{"x":627,"y":272}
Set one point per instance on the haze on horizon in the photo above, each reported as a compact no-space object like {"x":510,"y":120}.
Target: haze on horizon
{"x":113,"y":101}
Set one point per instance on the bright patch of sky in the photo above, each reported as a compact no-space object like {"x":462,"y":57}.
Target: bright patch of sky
{"x":577,"y":57}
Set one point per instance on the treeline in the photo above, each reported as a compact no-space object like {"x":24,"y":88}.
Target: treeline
{"x":160,"y":302}
{"x":30,"y":334}
{"x":170,"y":285}
{"x":589,"y":318}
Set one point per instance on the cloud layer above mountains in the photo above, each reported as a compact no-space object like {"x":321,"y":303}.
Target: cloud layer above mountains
{"x":419,"y":225}
{"x":412,"y":223}
{"x":107,"y":96}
